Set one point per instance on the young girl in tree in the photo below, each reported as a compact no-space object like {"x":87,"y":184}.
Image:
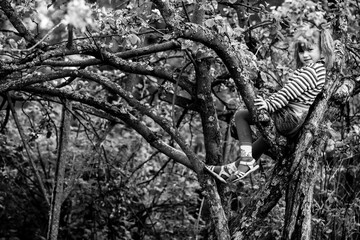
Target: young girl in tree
{"x":314,"y":54}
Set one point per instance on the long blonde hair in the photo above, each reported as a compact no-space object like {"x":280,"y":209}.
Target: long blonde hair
{"x":308,"y":35}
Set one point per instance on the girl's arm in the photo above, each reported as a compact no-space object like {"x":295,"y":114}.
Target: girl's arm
{"x":308,"y":79}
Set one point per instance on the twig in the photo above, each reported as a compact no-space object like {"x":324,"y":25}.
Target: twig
{"x":143,"y":163}
{"x":39,"y":42}
{"x":95,"y":153}
{"x":198,"y":219}
{"x":255,"y":9}
{"x":156,"y":174}
{"x":261,"y":24}
{"x":27,"y":149}
{"x":10,"y":31}
{"x":175,"y":92}
{"x":185,"y":11}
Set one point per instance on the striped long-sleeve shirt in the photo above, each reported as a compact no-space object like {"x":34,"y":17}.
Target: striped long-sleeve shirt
{"x":302,"y":88}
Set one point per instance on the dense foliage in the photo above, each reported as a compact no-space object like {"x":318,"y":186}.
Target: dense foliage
{"x":149,"y":99}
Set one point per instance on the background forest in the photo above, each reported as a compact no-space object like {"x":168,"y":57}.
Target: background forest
{"x":109,"y":109}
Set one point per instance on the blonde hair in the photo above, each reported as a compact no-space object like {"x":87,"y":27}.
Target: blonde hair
{"x":307,"y":36}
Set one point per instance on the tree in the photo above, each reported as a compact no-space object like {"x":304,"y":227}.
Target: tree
{"x":134,"y":79}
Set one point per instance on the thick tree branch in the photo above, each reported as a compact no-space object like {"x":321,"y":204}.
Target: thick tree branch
{"x":76,"y":106}
{"x":111,"y":59}
{"x":211,"y":129}
{"x":32,"y":61}
{"x":139,"y":52}
{"x":17,"y":23}
{"x":35,"y":78}
{"x":123,"y":115}
{"x":167,"y":126}
{"x":31,"y":79}
{"x":212,"y":136}
{"x":141,"y":68}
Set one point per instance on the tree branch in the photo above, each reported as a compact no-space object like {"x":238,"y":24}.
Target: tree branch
{"x":212,"y":137}
{"x":133,"y":53}
{"x":35,"y":78}
{"x":166,"y":125}
{"x":141,"y":68}
{"x":17,"y":23}
{"x":32,"y":79}
{"x":121,"y":114}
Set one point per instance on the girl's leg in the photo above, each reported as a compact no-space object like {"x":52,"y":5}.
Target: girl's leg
{"x":245,"y":164}
{"x":242,"y":122}
{"x":249,"y":151}
{"x":243,"y":134}
{"x":259,"y":147}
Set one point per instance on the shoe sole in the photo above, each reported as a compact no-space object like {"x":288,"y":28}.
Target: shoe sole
{"x":256,"y":167}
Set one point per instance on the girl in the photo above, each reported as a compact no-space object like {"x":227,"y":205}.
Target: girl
{"x":288,"y":107}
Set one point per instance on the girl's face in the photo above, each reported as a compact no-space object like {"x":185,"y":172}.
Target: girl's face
{"x":309,"y":53}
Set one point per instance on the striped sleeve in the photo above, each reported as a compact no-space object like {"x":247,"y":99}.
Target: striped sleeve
{"x":304,"y":84}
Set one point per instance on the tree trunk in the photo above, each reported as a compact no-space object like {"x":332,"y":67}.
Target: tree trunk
{"x":295,"y":173}
{"x":299,"y":195}
{"x":58,"y":193}
{"x":212,"y":144}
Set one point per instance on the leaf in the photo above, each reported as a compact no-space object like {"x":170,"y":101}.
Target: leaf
{"x":134,"y":39}
{"x":210,"y":23}
{"x":167,"y":37}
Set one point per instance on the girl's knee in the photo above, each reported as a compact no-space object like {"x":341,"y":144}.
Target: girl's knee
{"x":242,"y":115}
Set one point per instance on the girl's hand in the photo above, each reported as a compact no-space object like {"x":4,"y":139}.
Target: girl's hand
{"x":260,"y":103}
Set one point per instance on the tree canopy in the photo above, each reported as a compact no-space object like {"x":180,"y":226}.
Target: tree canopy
{"x":110,"y":109}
